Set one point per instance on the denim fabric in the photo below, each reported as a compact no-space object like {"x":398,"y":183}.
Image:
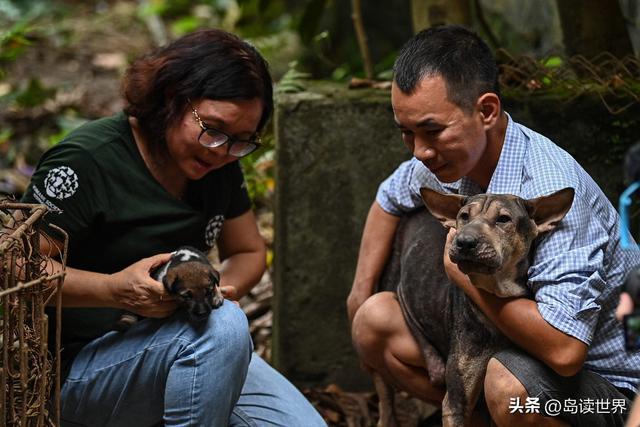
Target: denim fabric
{"x":167,"y":371}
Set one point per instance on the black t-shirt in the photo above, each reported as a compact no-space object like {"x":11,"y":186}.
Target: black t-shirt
{"x":99,"y":190}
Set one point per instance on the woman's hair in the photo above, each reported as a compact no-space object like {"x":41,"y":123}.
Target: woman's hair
{"x":458,"y":55}
{"x":209,"y":64}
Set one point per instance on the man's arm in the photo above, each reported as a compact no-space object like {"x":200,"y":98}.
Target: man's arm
{"x":375,"y":247}
{"x":520,"y":320}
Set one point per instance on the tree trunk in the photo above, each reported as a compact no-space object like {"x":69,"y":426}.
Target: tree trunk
{"x":590,"y":27}
{"x":428,"y":13}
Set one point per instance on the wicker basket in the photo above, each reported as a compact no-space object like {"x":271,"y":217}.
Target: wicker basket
{"x":29,"y":369}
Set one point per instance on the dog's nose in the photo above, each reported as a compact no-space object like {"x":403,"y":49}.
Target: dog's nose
{"x":466,"y":242}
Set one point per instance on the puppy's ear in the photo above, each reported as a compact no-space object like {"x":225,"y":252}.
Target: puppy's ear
{"x":171,"y":284}
{"x":444,"y":207}
{"x":548,"y":211}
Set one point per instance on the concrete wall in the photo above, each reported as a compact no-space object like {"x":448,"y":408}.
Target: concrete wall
{"x":334,"y":147}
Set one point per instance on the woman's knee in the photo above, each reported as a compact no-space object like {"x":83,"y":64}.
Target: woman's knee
{"x":226,"y":330}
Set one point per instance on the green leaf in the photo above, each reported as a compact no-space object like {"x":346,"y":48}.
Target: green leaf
{"x":34,"y":94}
{"x":185,"y":25}
{"x":553,"y":62}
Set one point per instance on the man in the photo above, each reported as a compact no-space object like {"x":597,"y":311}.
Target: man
{"x":568,"y":344}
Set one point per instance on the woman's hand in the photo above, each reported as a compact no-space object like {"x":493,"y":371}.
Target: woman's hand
{"x":134,"y":289}
{"x":229,"y":292}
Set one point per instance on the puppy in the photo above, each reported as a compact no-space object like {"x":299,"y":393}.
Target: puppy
{"x":192,"y":279}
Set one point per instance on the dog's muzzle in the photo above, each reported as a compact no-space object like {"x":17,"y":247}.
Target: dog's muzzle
{"x":474,"y":255}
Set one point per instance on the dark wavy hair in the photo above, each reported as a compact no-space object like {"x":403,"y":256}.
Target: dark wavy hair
{"x":458,"y":55}
{"x":210,"y":64}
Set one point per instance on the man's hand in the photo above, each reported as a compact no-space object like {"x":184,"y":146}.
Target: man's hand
{"x":134,"y":289}
{"x":454,"y":274}
{"x":625,"y":306}
{"x":356,"y":298}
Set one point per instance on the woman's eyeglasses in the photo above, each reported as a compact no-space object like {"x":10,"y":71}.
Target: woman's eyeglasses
{"x":213,"y":138}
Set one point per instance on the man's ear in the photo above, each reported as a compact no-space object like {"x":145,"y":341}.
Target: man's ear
{"x":444,"y":207}
{"x":490,"y":107}
{"x":548,"y":211}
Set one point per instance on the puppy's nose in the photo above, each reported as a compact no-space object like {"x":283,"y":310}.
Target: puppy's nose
{"x":466,"y":243}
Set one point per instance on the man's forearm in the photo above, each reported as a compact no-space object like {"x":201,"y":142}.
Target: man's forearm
{"x":520,"y":320}
{"x":375,"y":247}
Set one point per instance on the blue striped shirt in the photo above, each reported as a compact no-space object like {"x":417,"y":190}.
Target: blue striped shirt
{"x":578,"y":269}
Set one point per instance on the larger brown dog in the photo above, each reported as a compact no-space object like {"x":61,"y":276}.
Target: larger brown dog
{"x":494,"y":237}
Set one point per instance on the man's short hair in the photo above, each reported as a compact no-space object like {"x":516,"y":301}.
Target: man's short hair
{"x":458,"y":55}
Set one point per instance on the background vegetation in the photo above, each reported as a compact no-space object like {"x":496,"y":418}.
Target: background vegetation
{"x":61,"y":60}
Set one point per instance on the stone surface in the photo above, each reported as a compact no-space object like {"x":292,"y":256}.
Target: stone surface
{"x":334,"y":147}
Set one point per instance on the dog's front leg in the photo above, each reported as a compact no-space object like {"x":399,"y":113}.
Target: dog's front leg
{"x":465,"y":376}
{"x":386,"y":402}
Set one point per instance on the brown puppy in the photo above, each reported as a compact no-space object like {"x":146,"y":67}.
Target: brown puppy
{"x":192,"y":279}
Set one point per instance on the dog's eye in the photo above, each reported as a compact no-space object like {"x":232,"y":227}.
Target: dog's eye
{"x":464,"y":216}
{"x":187,"y":295}
{"x":503,"y":219}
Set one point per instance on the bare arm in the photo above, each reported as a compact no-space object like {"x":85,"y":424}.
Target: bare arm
{"x":375,"y":247}
{"x":131,"y":289}
{"x":243,"y":254}
{"x":520,"y":320}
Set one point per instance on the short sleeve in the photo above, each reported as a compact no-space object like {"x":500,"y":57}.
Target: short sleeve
{"x":68,"y":181}
{"x":239,"y":202}
{"x":400,"y":192}
{"x":567,"y":274}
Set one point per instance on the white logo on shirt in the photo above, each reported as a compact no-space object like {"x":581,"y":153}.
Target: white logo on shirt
{"x":61,"y":182}
{"x":212,"y":231}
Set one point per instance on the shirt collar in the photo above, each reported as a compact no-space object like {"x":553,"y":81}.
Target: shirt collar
{"x":507,"y":178}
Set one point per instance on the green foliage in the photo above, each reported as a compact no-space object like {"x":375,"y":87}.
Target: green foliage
{"x":65,"y":123}
{"x":33,"y":95}
{"x":14,"y":40}
{"x":292,"y":81}
{"x":553,"y":62}
{"x":258,"y":169}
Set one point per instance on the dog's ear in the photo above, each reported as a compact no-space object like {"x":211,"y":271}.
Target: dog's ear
{"x":444,"y":207}
{"x":548,"y":211}
{"x":171,"y":284}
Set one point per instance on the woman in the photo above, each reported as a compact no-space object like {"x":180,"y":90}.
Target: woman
{"x":133,"y":187}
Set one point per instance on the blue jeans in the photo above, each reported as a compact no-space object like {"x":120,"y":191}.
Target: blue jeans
{"x":166,"y":371}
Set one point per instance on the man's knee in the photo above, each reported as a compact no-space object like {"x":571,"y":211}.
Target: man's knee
{"x":372,"y":323}
{"x":500,"y":386}
{"x":501,"y":390}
